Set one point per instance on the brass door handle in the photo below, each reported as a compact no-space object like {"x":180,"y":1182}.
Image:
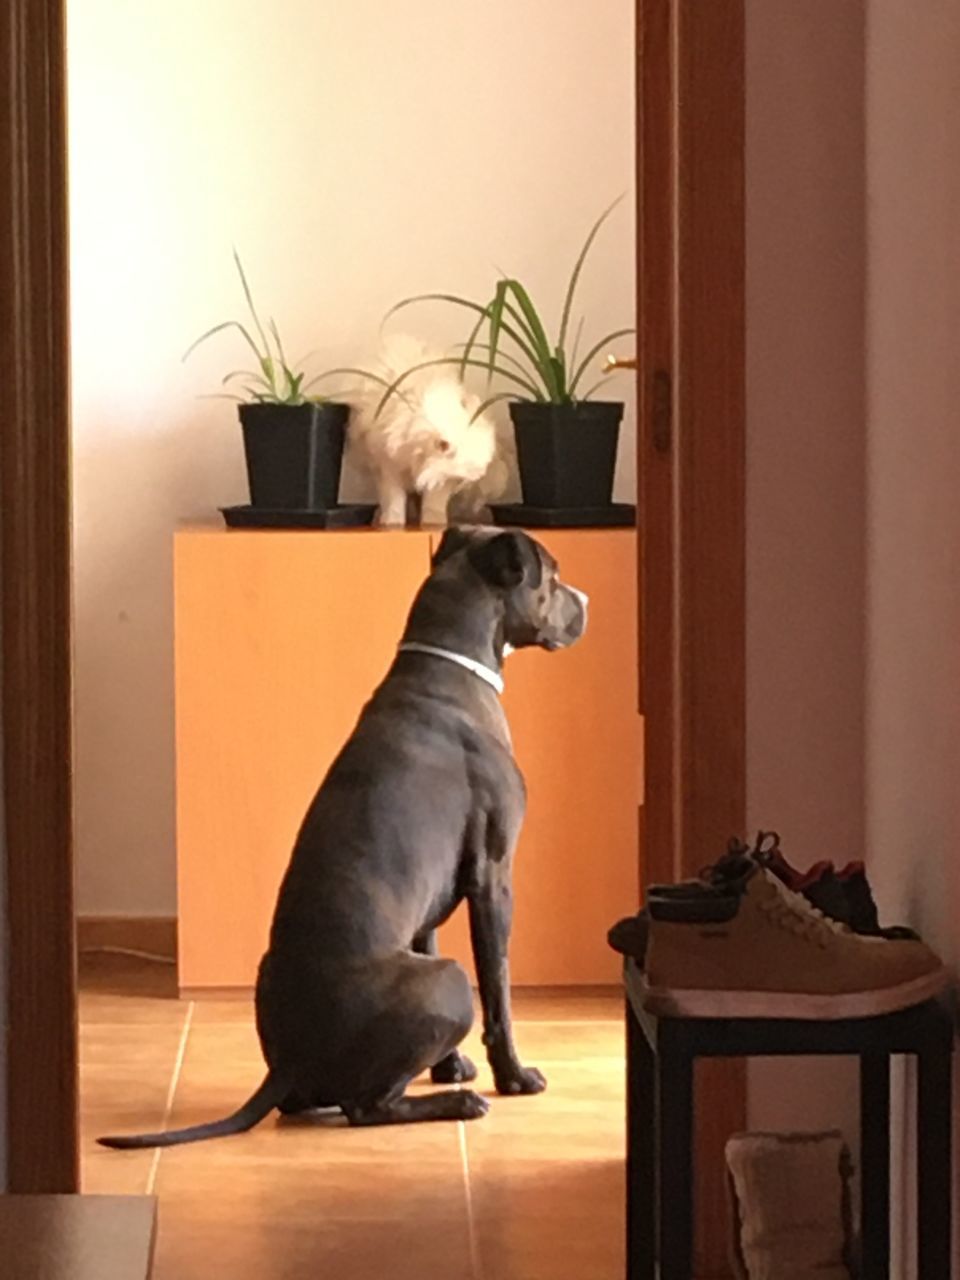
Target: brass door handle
{"x":619,"y":362}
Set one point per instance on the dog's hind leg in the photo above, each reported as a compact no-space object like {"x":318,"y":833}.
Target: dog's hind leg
{"x":461,"y":1104}
{"x":427,"y":1011}
{"x":455,"y":1067}
{"x":295,"y":1104}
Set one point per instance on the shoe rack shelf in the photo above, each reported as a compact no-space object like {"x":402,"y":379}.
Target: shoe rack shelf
{"x":661,"y":1053}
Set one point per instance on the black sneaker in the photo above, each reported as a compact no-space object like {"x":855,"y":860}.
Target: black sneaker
{"x":864,"y":917}
{"x":843,"y":895}
{"x":629,"y":936}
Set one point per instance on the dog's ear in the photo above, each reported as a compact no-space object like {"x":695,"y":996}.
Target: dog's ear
{"x":453,"y":540}
{"x":507,"y":560}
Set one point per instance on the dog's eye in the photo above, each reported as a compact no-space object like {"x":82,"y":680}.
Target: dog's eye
{"x":443,"y":446}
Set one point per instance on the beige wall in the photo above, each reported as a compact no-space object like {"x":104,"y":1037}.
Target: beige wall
{"x":913,"y":375}
{"x":853,"y":194}
{"x":913,"y":519}
{"x":806,"y":428}
{"x":805,"y":464}
{"x":853,"y":177}
{"x":355,"y":153}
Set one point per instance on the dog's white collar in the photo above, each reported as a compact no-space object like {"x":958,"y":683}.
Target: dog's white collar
{"x":492,"y":678}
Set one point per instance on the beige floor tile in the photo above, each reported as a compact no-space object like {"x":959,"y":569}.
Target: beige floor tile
{"x":125,"y":1076}
{"x":115,"y":1173}
{"x":568,"y":1004}
{"x":312,"y":1197}
{"x":308,"y":1243}
{"x":214,"y":1012}
{"x":560,"y":1219}
{"x":107,"y":984}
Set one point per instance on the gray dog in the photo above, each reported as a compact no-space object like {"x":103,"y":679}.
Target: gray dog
{"x":420,"y":811}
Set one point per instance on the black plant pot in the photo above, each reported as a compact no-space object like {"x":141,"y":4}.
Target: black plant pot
{"x":567,"y":453}
{"x":294,"y":454}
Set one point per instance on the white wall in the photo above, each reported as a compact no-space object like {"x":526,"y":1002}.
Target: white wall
{"x":853,"y":180}
{"x":913,"y":384}
{"x":355,"y":153}
{"x":913,"y":93}
{"x":853,"y":196}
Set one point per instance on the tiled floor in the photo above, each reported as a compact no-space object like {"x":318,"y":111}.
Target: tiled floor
{"x":535,"y":1189}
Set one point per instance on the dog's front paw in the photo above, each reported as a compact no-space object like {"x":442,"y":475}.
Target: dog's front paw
{"x":455,"y":1068}
{"x":521,"y":1080}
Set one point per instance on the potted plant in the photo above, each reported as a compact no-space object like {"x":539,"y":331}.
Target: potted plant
{"x":293,"y":442}
{"x":566,"y":440}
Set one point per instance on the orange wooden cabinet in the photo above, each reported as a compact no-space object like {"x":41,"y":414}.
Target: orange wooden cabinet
{"x":281,"y":636}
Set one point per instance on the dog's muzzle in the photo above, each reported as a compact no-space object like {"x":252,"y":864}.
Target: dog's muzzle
{"x":575,"y":621}
{"x":583,"y":601}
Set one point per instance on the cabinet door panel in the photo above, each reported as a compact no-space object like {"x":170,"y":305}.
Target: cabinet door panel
{"x":280,"y":639}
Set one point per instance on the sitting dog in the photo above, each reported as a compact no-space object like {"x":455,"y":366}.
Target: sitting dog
{"x":421,"y":810}
{"x":425,"y":445}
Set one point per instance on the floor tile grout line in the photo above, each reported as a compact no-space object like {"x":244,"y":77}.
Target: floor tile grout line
{"x":568,"y":1022}
{"x":476,"y":1267}
{"x":171,"y":1094}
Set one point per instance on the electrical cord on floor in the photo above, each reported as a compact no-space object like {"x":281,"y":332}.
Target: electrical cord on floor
{"x":127,"y":951}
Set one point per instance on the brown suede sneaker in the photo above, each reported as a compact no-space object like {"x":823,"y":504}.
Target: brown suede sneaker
{"x":779,"y":957}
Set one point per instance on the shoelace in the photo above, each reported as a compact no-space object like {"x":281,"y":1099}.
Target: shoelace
{"x":786,"y":908}
{"x":793,"y":912}
{"x":740,"y":856}
{"x":767,"y":846}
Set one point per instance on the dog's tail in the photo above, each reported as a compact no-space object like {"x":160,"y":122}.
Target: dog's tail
{"x":255,"y":1109}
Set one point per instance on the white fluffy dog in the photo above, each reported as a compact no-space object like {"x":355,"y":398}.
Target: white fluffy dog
{"x":425,"y":444}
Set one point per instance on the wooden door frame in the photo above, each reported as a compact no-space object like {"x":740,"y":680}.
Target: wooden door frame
{"x":41,"y":1076}
{"x":692,"y":483}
